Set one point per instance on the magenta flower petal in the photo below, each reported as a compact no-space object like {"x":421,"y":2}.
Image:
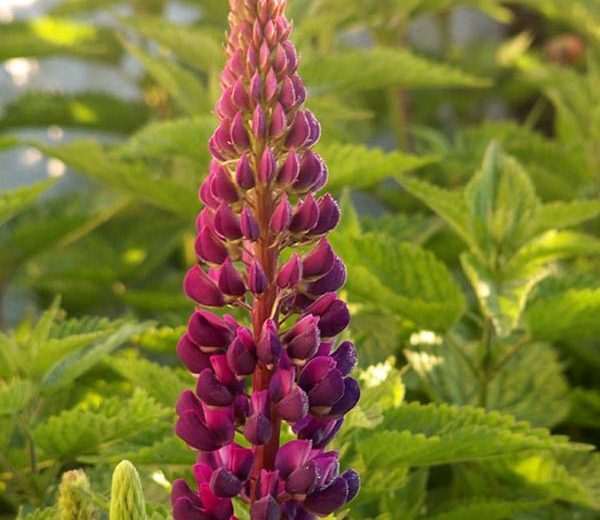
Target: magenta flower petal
{"x":200,"y":288}
{"x":325,"y":501}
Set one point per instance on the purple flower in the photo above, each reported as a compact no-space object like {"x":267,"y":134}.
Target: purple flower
{"x":283,"y":366}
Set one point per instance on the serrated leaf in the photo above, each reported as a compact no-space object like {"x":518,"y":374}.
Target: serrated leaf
{"x":559,"y":214}
{"x":400,"y":278}
{"x":359,"y":167}
{"x":85,"y":429}
{"x":381,"y":67}
{"x":162,"y":383}
{"x":565,"y":315}
{"x":13,"y":202}
{"x":428,"y":435}
{"x":65,"y":371}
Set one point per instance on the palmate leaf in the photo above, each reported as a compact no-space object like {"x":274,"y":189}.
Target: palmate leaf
{"x":65,"y":371}
{"x":565,"y":315}
{"x":13,"y":202}
{"x":85,"y":429}
{"x":559,"y":214}
{"x":82,"y":110}
{"x":133,"y":177}
{"x":400,"y":278}
{"x":429,"y":435}
{"x":490,"y":508}
{"x":359,"y":167}
{"x":170,"y":451}
{"x":381,"y":67}
{"x":49,"y":36}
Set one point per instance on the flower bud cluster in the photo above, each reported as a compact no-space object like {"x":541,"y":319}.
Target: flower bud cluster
{"x":260,"y":200}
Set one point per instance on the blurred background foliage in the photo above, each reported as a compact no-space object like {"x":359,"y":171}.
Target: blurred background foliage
{"x":463,"y":141}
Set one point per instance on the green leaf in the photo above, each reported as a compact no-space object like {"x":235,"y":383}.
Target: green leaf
{"x":180,"y":137}
{"x":55,"y":225}
{"x":133,"y":177}
{"x":381,"y":67}
{"x":74,"y":365}
{"x":571,"y":314}
{"x":556,"y":215}
{"x":502,"y":299}
{"x":86,"y":429}
{"x":13,"y":202}
{"x":359,"y":167}
{"x":49,"y":36}
{"x":585,"y":407}
{"x":449,"y":205}
{"x":14,"y":396}
{"x":400,"y":278}
{"x":183,"y":87}
{"x":490,"y":508}
{"x":162,"y":383}
{"x":82,"y":110}
{"x":201,"y":48}
{"x":429,"y":435}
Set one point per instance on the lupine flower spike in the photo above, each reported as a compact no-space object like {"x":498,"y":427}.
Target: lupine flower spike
{"x":260,"y":198}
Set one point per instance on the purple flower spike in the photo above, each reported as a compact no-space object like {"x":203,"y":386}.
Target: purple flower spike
{"x":260,"y":198}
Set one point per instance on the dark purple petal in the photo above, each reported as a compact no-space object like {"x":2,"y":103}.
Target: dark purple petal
{"x":267,"y":166}
{"x":209,"y":248}
{"x":257,"y":279}
{"x":312,"y":169}
{"x":294,"y":406}
{"x":325,"y":501}
{"x":259,"y":123}
{"x":278,"y":121}
{"x":258,"y":429}
{"x":292,"y":455}
{"x":211,"y":391}
{"x":345,"y":357}
{"x":269,"y":346}
{"x":244,"y":175}
{"x":267,"y":508}
{"x":200,"y":288}
{"x":240,"y":359}
{"x":303,"y":339}
{"x":227,"y":223}
{"x":222,"y":185}
{"x":319,"y":261}
{"x":225,"y":484}
{"x":329,"y":216}
{"x":348,"y":401}
{"x":193,"y":358}
{"x":194,"y":432}
{"x":237,"y":459}
{"x":290,"y":273}
{"x":352,"y":478}
{"x":230,"y":280}
{"x":239,"y":135}
{"x":281,"y":384}
{"x":290,"y":170}
{"x":249,"y":225}
{"x":315,"y":371}
{"x":302,"y":480}
{"x":210,"y":332}
{"x":299,"y":130}
{"x":306,"y":215}
{"x":188,"y":401}
{"x":282,"y":216}
{"x":330,"y":282}
{"x":328,"y":391}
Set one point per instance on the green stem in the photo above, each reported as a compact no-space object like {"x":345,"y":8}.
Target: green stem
{"x":486,"y":363}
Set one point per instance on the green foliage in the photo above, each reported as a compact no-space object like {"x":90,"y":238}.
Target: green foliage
{"x":468,"y":173}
